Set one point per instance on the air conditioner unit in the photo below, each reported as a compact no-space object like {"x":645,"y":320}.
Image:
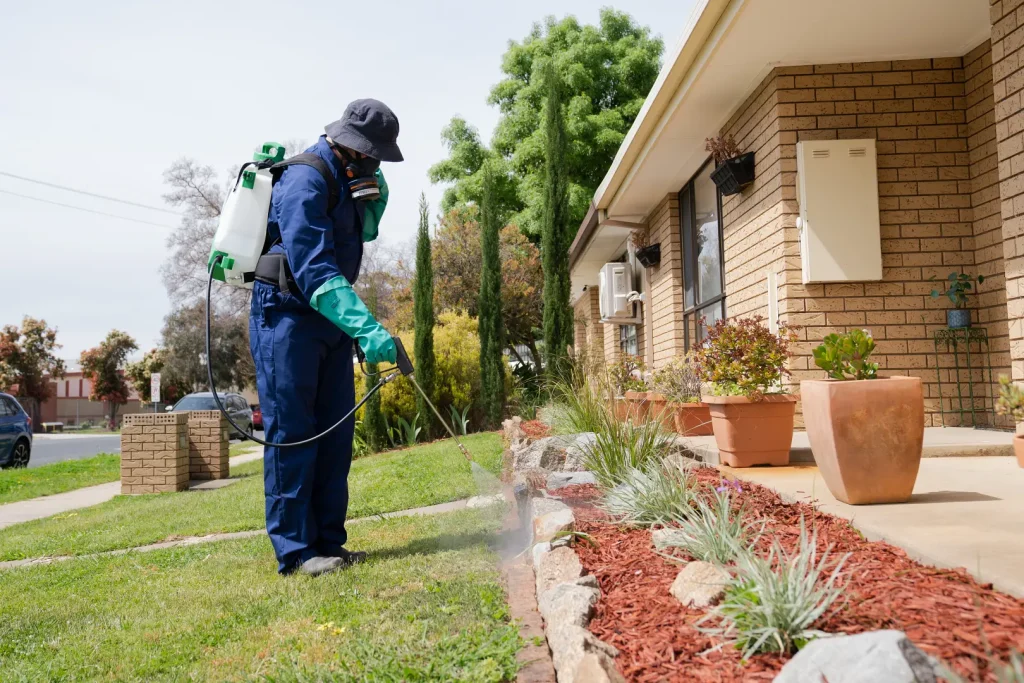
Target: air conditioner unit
{"x":616,"y":284}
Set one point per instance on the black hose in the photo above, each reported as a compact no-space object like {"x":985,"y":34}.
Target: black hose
{"x":213,"y":390}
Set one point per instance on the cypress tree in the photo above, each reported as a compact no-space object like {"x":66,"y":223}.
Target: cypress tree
{"x":555,"y":229}
{"x":374,"y":425}
{"x":491,"y":329}
{"x":423,"y":315}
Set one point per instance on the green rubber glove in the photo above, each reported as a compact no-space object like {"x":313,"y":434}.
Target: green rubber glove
{"x":374,"y":210}
{"x":338,"y":302}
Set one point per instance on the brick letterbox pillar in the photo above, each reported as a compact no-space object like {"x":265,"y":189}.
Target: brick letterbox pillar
{"x":208,"y":432}
{"x":154,"y":453}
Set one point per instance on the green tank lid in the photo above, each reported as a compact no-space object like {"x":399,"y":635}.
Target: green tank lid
{"x":272,"y":151}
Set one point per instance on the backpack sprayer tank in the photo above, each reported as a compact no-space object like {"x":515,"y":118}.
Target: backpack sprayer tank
{"x":242,"y":230}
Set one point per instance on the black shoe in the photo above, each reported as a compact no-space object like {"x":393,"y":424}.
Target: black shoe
{"x":348,"y":557}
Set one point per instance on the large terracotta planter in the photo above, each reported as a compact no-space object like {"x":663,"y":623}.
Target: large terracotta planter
{"x":750,"y":433}
{"x":621,"y":408}
{"x":1018,"y":449}
{"x":866,"y":436}
{"x":660,"y":409}
{"x":638,"y":405}
{"x":691,"y":419}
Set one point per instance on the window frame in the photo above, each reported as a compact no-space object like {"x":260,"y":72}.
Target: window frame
{"x":687,"y":237}
{"x":624,"y":340}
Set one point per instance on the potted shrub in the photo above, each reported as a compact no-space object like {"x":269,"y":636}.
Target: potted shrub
{"x":678,"y":389}
{"x":743,"y":363}
{"x":627,"y":381}
{"x":958,"y":285}
{"x":866,"y":431}
{"x":649,"y":255}
{"x":1011,"y":404}
{"x":734,"y":171}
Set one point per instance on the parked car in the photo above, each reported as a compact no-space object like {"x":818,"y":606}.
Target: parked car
{"x":257,"y":416}
{"x":15,"y":433}
{"x":234,"y":404}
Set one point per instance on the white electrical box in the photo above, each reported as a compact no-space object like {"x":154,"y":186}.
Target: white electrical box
{"x":840,"y":237}
{"x":616,"y":283}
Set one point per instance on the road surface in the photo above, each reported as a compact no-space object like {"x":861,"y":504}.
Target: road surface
{"x":50,"y":448}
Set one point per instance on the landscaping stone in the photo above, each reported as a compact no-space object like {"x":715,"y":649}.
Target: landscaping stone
{"x":699,"y":584}
{"x":570,"y":644}
{"x":864,"y":658}
{"x":547,"y":453}
{"x":570,"y":602}
{"x":577,"y":450}
{"x":597,"y":668}
{"x":550,"y":517}
{"x":559,"y":480}
{"x":662,"y":537}
{"x":561,"y":564}
{"x":485,"y":501}
{"x":539,"y":551}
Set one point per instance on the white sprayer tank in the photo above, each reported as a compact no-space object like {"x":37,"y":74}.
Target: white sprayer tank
{"x":242,"y":230}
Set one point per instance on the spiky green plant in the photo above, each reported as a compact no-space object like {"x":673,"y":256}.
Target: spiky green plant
{"x":715,"y":533}
{"x":578,"y":402}
{"x":620,"y":447}
{"x":773,"y":602}
{"x":410,"y":433}
{"x":658,"y":493}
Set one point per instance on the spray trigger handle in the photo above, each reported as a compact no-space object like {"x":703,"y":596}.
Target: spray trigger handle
{"x":402,"y":360}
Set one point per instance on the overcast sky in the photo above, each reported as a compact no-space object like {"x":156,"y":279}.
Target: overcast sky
{"x":103,"y":96}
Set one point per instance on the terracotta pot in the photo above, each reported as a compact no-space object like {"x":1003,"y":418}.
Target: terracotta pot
{"x":622,"y":406}
{"x":691,"y":419}
{"x":866,"y":435}
{"x":1018,"y":449}
{"x":752,"y":433}
{"x":660,"y":409}
{"x":638,"y":405}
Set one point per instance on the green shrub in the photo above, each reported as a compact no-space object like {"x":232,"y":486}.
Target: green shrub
{"x":578,"y":400}
{"x":845,"y":356}
{"x":772,"y":602}
{"x":623,"y":446}
{"x":1011,"y":399}
{"x":679,"y":380}
{"x":627,"y":374}
{"x":658,"y":493}
{"x":742,"y":357}
{"x":716,"y":533}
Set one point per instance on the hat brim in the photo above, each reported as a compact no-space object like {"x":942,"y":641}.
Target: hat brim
{"x":354,"y":141}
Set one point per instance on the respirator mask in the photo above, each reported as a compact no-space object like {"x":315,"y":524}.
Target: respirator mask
{"x":359,"y":176}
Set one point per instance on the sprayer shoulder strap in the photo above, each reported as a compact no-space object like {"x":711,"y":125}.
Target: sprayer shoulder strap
{"x":333,"y":194}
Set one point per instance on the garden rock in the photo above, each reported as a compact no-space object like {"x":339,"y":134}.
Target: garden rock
{"x":539,"y":551}
{"x":699,"y":584}
{"x":561,"y":564}
{"x":559,"y":480}
{"x":570,"y":644}
{"x":864,"y":658}
{"x":485,"y":501}
{"x":512,"y":432}
{"x":547,"y":453}
{"x":662,"y":538}
{"x":571,"y":602}
{"x":549,"y":521}
{"x":597,"y":668}
{"x":577,"y":451}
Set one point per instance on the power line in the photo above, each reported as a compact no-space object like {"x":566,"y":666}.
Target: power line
{"x":79,"y":208}
{"x":89,"y":194}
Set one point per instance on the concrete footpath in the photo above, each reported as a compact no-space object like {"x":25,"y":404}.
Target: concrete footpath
{"x":47,"y":506}
{"x":965,"y":512}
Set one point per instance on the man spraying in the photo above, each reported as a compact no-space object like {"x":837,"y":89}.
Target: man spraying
{"x":304,"y":318}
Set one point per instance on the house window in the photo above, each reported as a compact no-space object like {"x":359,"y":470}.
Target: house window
{"x":700,"y":208}
{"x":627,"y":340}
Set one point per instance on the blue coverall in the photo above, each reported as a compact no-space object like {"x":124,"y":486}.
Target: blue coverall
{"x":304,"y":372}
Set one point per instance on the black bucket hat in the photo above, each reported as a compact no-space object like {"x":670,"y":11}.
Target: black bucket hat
{"x":368,"y":126}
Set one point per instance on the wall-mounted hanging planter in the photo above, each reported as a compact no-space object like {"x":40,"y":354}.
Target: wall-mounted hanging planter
{"x":733,"y":175}
{"x":649,"y":256}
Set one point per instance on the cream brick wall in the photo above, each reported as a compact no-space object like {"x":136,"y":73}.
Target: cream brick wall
{"x":154,"y":453}
{"x":208,"y":444}
{"x":665,"y":295}
{"x":589,"y":330}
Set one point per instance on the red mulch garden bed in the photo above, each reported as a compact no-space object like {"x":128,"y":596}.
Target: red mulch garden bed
{"x":535,"y":429}
{"x":946,"y":613}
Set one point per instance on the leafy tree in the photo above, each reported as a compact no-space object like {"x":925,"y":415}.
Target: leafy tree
{"x":607,"y":70}
{"x":374,"y":424}
{"x":492,"y":342}
{"x":184,"y":345}
{"x":103,"y":366}
{"x":27,"y":360}
{"x":423,"y":300}
{"x":457,"y":258}
{"x":556,"y":235}
{"x":140,"y":374}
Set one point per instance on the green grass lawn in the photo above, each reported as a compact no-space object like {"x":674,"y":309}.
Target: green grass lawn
{"x":22,"y":484}
{"x":423,"y":475}
{"x":427,"y":606}
{"x":242,"y":447}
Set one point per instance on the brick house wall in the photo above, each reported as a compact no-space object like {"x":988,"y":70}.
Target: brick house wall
{"x":935,"y":126}
{"x":589,"y":331}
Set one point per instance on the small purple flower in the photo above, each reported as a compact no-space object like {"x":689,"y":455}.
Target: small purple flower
{"x":729,"y":484}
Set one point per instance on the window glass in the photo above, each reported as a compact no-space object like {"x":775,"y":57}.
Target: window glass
{"x":5,"y":411}
{"x":685,"y":211}
{"x":196,"y":403}
{"x":627,"y":340}
{"x":708,"y":234}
